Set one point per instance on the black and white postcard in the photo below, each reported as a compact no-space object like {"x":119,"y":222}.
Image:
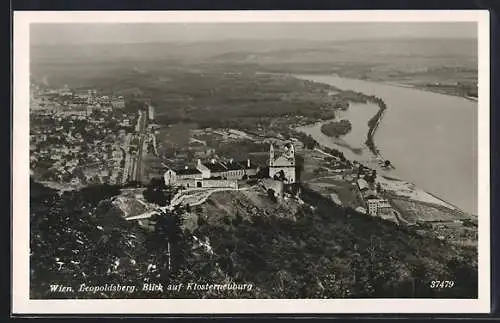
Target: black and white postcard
{"x":251,"y":162}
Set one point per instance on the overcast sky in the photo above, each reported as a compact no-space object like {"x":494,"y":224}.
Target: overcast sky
{"x":118,"y":33}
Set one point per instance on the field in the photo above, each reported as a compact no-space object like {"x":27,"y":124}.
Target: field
{"x":415,"y":211}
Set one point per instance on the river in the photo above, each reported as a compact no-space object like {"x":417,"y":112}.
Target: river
{"x":430,"y":138}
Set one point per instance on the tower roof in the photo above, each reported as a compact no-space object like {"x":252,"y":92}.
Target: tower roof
{"x":285,"y":156}
{"x":283,"y":161}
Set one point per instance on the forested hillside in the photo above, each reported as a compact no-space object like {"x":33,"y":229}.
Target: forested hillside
{"x":320,"y":251}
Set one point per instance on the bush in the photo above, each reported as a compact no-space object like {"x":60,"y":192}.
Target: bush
{"x":271,"y":194}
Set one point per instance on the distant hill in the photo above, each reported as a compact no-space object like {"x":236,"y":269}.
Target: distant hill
{"x":76,"y":65}
{"x":233,"y":50}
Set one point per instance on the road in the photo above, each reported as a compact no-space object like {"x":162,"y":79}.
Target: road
{"x":180,"y":197}
{"x":142,"y":134}
{"x":327,"y":154}
{"x":128,"y":162}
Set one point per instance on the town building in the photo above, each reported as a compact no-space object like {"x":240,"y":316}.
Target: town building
{"x":218,"y":173}
{"x":186,"y":176}
{"x":377,"y":206}
{"x":363,"y":185}
{"x":282,"y":164}
{"x":91,"y":96}
{"x":151,"y":111}
{"x":118,"y":103}
{"x":215,"y":173}
{"x":227,"y":170}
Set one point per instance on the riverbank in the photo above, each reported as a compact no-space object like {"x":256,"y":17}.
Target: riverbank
{"x":390,"y":182}
{"x":409,"y":198}
{"x":425,"y":88}
{"x":409,"y":190}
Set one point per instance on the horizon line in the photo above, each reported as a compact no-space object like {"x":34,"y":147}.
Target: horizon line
{"x":138,"y":42}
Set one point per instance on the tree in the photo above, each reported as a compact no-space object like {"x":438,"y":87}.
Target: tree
{"x":238,"y":219}
{"x":201,"y":220}
{"x":157,"y":183}
{"x":271,"y":194}
{"x":371,"y":178}
{"x":360,"y":171}
{"x":300,"y":165}
{"x":168,"y":236}
{"x":154,"y":193}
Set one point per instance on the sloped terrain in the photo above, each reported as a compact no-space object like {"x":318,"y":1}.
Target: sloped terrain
{"x":332,"y":252}
{"x":285,"y":249}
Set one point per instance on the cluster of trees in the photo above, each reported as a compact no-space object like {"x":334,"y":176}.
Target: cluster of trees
{"x":353,"y":96}
{"x":310,"y":143}
{"x":80,"y":238}
{"x":338,"y":102}
{"x":67,"y":245}
{"x":239,"y":150}
{"x":243,"y":98}
{"x":247,"y":123}
{"x":307,"y":140}
{"x":156,"y":192}
{"x":460,"y":88}
{"x":371,"y":176}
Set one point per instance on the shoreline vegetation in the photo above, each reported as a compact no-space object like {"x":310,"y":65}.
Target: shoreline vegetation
{"x":342,"y":127}
{"x":336,"y":128}
{"x":435,"y":88}
{"x":373,"y":124}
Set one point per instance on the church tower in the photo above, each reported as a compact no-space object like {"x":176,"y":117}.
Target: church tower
{"x":282,"y":163}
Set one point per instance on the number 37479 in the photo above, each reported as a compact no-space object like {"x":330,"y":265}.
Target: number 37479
{"x":442,"y":284}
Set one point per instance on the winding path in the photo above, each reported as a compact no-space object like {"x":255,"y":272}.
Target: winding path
{"x":181,"y":197}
